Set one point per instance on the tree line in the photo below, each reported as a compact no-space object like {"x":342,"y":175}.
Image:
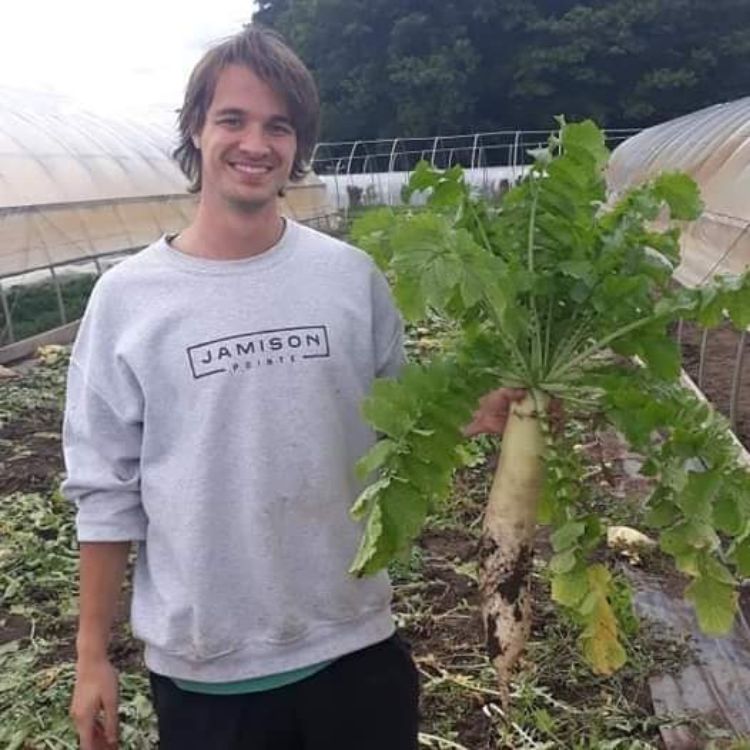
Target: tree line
{"x":422,"y":67}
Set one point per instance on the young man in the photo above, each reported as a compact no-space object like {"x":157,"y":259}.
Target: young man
{"x":213,"y":418}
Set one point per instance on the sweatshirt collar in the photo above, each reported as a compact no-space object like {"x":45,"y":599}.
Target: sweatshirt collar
{"x":276,"y":254}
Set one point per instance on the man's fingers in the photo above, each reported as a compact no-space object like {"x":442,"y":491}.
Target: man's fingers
{"x":101,"y":741}
{"x":470,"y":430}
{"x":85,"y":728}
{"x":110,"y":718}
{"x":494,"y":408}
{"x":486,"y":423}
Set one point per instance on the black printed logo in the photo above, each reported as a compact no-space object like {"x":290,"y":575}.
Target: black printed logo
{"x":248,"y":351}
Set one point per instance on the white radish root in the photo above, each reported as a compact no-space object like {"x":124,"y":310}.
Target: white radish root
{"x":506,"y":550}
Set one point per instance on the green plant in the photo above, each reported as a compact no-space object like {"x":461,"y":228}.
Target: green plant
{"x":570,"y":299}
{"x":35,"y":308}
{"x":42,"y":389}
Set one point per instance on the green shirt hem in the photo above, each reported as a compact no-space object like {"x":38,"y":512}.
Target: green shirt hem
{"x":255,"y":685}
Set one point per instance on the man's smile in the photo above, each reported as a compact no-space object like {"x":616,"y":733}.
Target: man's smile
{"x":249,"y":168}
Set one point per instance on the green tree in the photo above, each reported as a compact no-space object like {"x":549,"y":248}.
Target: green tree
{"x":423,"y":67}
{"x":384,"y":68}
{"x":634,"y":62}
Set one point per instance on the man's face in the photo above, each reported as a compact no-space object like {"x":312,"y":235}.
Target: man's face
{"x":247,"y":142}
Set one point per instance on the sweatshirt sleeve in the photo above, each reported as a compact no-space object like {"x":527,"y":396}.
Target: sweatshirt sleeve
{"x":102,"y":432}
{"x":388,"y":330}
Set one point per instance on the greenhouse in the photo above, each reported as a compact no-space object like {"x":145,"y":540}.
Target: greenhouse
{"x":713,"y":146}
{"x":77,"y":192}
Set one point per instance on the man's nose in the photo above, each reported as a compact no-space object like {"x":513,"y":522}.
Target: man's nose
{"x":254,"y":140}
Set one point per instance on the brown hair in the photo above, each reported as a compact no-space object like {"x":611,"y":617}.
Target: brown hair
{"x":264,"y":52}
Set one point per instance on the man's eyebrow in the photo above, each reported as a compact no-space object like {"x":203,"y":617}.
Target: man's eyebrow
{"x":239,"y":112}
{"x":281,"y":119}
{"x":229,"y":111}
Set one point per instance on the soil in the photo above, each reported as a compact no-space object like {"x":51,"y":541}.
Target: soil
{"x":13,"y":627}
{"x":30,"y":452}
{"x":450,"y":636}
{"x":31,"y":461}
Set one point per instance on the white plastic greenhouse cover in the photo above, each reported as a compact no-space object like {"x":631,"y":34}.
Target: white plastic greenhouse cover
{"x":713,"y":146}
{"x":74,"y":185}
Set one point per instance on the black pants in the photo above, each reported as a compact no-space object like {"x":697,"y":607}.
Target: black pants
{"x":363,"y":701}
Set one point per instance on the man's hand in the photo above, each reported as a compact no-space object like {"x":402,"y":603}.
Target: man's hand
{"x":494,"y":408}
{"x":493,"y":411}
{"x":94,"y":705}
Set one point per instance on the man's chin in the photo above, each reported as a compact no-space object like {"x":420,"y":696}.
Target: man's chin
{"x":251,"y":204}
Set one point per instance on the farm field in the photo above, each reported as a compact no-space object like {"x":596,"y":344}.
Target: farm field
{"x":557,"y":702}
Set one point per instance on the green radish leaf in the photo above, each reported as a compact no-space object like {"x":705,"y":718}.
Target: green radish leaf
{"x":374,"y":549}
{"x":570,"y":588}
{"x":675,"y":476}
{"x":681,"y":194}
{"x":727,"y":514}
{"x":662,"y":513}
{"x":472,"y":290}
{"x":667,"y":247}
{"x":567,"y":535}
{"x":662,"y":355}
{"x":435,"y":484}
{"x":719,"y":572}
{"x":563,"y":562}
{"x":696,"y":500}
{"x":390,"y":408}
{"x":422,"y":178}
{"x":593,"y":533}
{"x":404,"y":513}
{"x":736,"y":299}
{"x":689,"y":535}
{"x":394,"y":522}
{"x":375,"y":458}
{"x":363,"y":504}
{"x":579,"y":269}
{"x":688,"y":562}
{"x":447,"y":193}
{"x":584,"y":139}
{"x":715,"y":604}
{"x":711,"y":310}
{"x":741,"y":555}
{"x":372,"y":231}
{"x":407,"y":291}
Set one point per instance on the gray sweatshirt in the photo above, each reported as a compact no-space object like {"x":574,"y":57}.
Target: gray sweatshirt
{"x":213,"y":416}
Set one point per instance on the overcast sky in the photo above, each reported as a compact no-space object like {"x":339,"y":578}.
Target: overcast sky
{"x":115,"y":57}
